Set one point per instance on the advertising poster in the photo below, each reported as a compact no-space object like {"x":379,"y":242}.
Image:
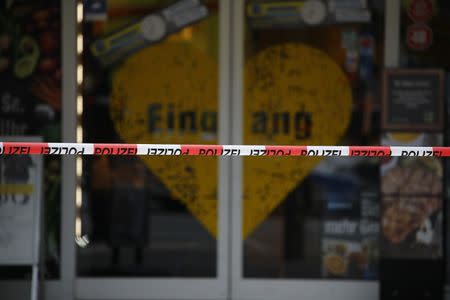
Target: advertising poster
{"x":30,"y":68}
{"x":20,"y":205}
{"x":412,"y":187}
{"x":412,"y":201}
{"x":30,"y":92}
{"x":350,"y":230}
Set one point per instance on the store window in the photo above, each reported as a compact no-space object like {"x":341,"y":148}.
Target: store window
{"x":30,"y":105}
{"x":312,"y":77}
{"x":150,"y":80}
{"x":424,"y":44}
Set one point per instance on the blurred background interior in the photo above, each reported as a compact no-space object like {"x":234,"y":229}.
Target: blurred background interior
{"x":306,"y":72}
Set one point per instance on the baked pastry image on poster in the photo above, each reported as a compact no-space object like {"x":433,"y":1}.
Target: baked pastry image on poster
{"x":412,"y":201}
{"x":350,"y":229}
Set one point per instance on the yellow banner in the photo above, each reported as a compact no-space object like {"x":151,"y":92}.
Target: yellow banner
{"x":13,"y":189}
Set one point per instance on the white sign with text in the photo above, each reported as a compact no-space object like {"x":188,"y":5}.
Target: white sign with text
{"x":20,"y":206}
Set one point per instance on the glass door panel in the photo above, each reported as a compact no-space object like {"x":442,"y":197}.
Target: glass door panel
{"x":309,"y":77}
{"x":152,"y":75}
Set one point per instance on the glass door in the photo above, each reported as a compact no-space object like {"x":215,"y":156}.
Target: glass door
{"x":154,"y":227}
{"x":306,"y":73}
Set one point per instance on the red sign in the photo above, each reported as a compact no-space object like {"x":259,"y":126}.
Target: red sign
{"x":420,"y":10}
{"x":419,"y":36}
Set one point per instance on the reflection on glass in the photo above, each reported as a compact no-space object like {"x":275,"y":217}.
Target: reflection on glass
{"x":311,"y":79}
{"x":151,"y":216}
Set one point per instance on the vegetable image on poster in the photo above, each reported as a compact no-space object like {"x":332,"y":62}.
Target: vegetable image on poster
{"x":294,"y":95}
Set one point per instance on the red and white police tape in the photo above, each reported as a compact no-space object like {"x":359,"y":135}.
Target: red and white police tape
{"x":20,"y":148}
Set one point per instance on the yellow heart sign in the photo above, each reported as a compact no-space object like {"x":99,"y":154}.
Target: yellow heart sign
{"x":294,"y":95}
{"x":168,"y":93}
